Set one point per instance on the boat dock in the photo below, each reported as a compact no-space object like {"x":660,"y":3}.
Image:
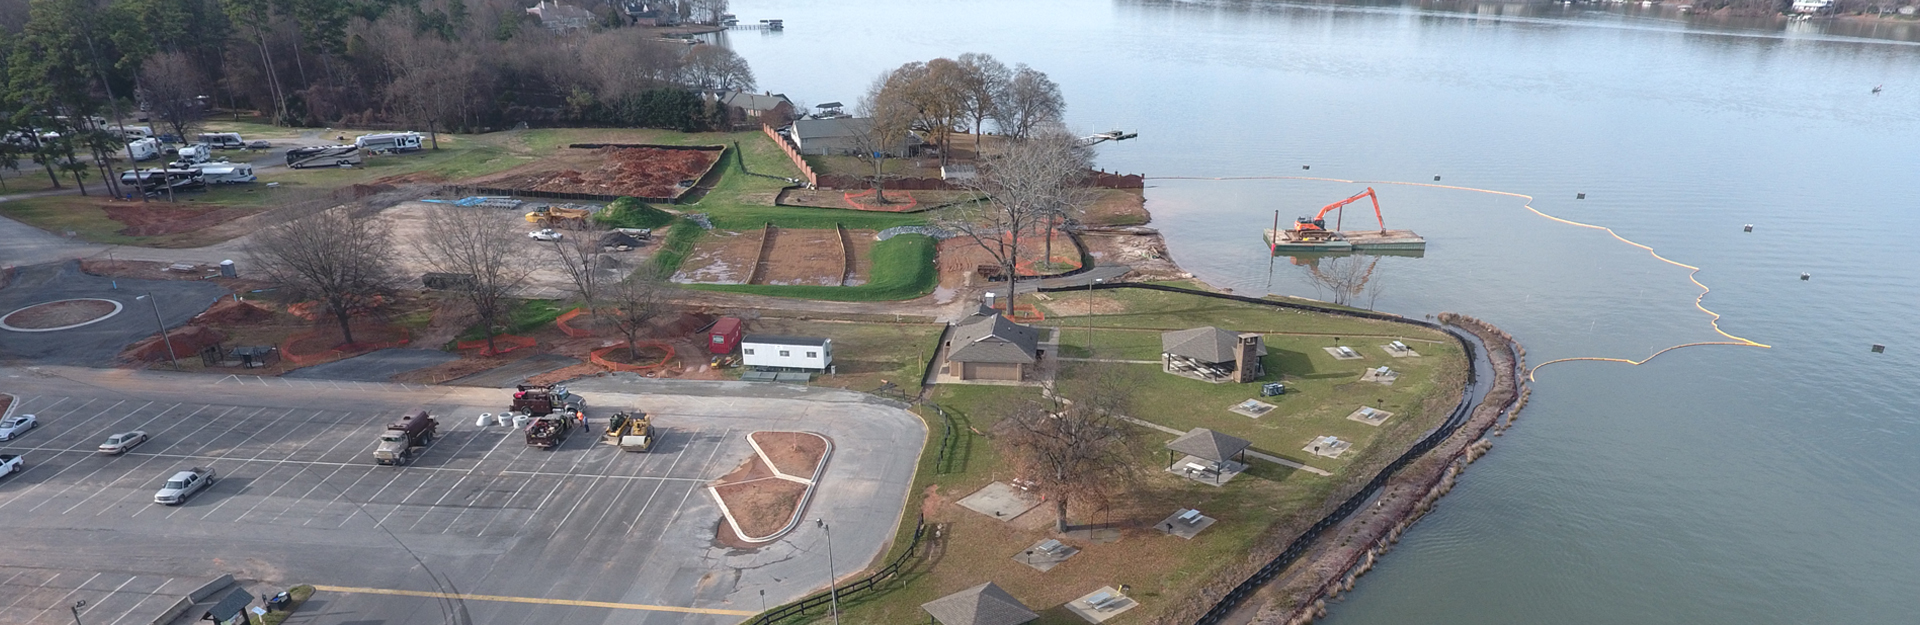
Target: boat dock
{"x":1347,"y":241}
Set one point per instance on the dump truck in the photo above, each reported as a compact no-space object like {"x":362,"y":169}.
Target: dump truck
{"x":632,"y":431}
{"x":549,"y":431}
{"x":539,"y":400}
{"x":406,"y":438}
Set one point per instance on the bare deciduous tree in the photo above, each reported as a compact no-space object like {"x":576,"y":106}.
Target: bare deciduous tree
{"x":890,"y":123}
{"x":334,"y":256}
{"x":716,"y":67}
{"x":172,"y":85}
{"x":1032,"y":102}
{"x":1073,"y":445}
{"x":634,"y":302}
{"x":473,"y":243}
{"x":985,"y":85}
{"x":1027,"y":186}
{"x":580,"y":258}
{"x":626,"y":61}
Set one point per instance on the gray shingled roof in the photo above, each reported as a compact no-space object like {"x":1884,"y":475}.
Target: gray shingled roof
{"x":1205,"y":344}
{"x":994,"y":338}
{"x":753,"y":101}
{"x":1209,"y":445}
{"x":986,"y":604}
{"x":824,"y":128}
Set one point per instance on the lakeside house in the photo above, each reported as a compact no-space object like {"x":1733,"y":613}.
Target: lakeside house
{"x":1811,"y":6}
{"x":844,"y":136}
{"x":989,"y":346}
{"x":772,"y":109}
{"x":561,"y":17}
{"x":1212,"y":354}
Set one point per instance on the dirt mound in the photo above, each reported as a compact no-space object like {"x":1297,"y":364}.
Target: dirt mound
{"x":630,"y":171}
{"x":682,"y":325}
{"x":153,"y":219}
{"x":187,"y":341}
{"x":230,"y":312}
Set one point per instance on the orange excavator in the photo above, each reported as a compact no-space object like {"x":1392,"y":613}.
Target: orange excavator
{"x":1315,"y":229}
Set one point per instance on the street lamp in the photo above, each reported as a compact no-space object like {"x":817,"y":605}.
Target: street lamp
{"x":1090,"y":314}
{"x":831,"y":578}
{"x":171,"y":357}
{"x":76,"y":610}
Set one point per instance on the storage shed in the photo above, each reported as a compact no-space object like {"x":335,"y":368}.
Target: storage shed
{"x":723,"y":336}
{"x":771,"y":351}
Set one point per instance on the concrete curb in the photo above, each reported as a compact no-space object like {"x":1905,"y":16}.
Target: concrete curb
{"x":799,"y":511}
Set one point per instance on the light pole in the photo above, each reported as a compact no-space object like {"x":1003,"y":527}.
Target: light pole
{"x":1090,"y":314}
{"x":171,"y":357}
{"x":832,"y":579}
{"x":76,"y":610}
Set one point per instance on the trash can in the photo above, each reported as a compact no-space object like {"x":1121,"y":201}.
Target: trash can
{"x":1272,"y":388}
{"x":279,"y":602}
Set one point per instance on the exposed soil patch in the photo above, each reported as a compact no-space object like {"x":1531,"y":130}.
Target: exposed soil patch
{"x":794,"y":453}
{"x":152,"y":219}
{"x":59,"y":314}
{"x":1141,"y":248}
{"x":725,"y":258}
{"x":187,"y":341}
{"x":811,"y":256}
{"x":6,"y":401}
{"x":1077,"y":303}
{"x":231,"y":312}
{"x":643,"y":355}
{"x":960,"y":256}
{"x":563,"y":374}
{"x":763,"y":507}
{"x":1118,"y":207}
{"x":636,"y":171}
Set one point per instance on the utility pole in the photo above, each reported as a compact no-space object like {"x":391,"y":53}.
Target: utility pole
{"x":76,"y":611}
{"x":171,"y":357}
{"x":832,"y":579}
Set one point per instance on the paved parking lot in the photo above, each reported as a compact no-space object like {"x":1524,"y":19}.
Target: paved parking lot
{"x":583,"y":533}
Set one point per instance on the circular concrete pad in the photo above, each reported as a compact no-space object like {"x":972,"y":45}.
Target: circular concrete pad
{"x":68,"y":313}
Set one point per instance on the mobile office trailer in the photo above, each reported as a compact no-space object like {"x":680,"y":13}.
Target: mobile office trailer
{"x":225,"y":173}
{"x":223,"y":140}
{"x":323,"y":156}
{"x":389,"y":142}
{"x":144,"y":149}
{"x":802,"y":353}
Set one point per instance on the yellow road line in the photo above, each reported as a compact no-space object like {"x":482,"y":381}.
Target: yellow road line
{"x":567,"y":602}
{"x":1698,"y":300}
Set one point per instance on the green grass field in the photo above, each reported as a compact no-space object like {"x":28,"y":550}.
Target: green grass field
{"x":903,"y":268}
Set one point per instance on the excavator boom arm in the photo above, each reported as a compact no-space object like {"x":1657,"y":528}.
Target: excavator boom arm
{"x":1356,"y":197}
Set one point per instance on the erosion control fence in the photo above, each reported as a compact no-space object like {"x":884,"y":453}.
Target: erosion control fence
{"x":1233,"y":598}
{"x":850,"y":589}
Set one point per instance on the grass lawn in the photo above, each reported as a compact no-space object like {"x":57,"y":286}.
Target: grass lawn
{"x":903,"y":268}
{"x":866,"y":355}
{"x":526,"y":316}
{"x":1141,"y":308}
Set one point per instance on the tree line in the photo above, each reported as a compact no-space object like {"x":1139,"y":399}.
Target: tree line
{"x":70,"y":66}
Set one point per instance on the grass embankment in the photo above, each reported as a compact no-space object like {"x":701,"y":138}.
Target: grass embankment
{"x":903,"y":268}
{"x":526,"y":316}
{"x":867,"y":355}
{"x":1265,"y":506}
{"x":629,"y":212}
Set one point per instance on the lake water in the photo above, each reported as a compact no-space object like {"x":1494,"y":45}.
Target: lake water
{"x":1715,"y":484}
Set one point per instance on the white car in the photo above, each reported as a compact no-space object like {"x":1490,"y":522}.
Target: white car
{"x":545,"y":234}
{"x":183,"y":485}
{"x":120,"y":443}
{"x":10,"y":464}
{"x":13,"y":427}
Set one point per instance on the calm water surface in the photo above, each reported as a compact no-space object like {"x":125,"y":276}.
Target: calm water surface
{"x":1714,"y":485}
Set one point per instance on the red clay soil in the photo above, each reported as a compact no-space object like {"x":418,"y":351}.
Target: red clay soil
{"x":328,"y":337}
{"x":809,"y":256}
{"x":639,"y":172}
{"x":764,"y":507}
{"x":794,"y":453}
{"x":5,"y":402}
{"x":724,"y":259}
{"x":153,"y":219}
{"x":230,"y":312}
{"x":648,"y":355}
{"x":58,"y":314}
{"x":187,"y":342}
{"x":751,"y":470}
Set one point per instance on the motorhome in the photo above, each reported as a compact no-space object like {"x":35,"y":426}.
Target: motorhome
{"x":158,"y":181}
{"x":144,"y":149}
{"x":389,"y":142}
{"x":191,"y":154}
{"x":225,"y":172}
{"x":323,"y":156}
{"x":131,"y":133}
{"x":223,"y":140}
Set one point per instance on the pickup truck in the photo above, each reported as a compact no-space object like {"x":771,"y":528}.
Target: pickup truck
{"x":10,"y":464}
{"x":183,"y":485}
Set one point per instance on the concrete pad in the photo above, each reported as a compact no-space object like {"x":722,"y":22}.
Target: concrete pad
{"x":1000,"y":501}
{"x":1327,"y":446}
{"x":1083,"y":607}
{"x":1400,"y":353}
{"x":1218,"y":475}
{"x":1172,"y":525}
{"x":1340,"y":355}
{"x":1252,"y":408}
{"x":1374,"y":375}
{"x":1369,"y":415}
{"x":375,"y":366}
{"x":1044,"y":561}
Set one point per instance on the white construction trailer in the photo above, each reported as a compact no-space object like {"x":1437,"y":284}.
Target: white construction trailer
{"x":389,"y":142}
{"x":770,"y":351}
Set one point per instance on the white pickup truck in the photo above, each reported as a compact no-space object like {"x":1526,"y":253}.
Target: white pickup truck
{"x":183,"y":485}
{"x":10,"y":464}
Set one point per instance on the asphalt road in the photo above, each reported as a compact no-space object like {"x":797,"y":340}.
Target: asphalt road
{"x":97,"y":343}
{"x":582,"y":534}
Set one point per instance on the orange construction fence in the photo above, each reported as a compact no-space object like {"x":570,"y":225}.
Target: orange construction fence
{"x":599,"y":357}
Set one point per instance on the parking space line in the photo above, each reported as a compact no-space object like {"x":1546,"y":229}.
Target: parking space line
{"x":202,"y":447}
{"x":63,"y":598}
{"x":256,"y":457}
{"x":581,"y":499}
{"x":656,"y":489}
{"x":29,"y":593}
{"x":116,"y":590}
{"x":76,"y":424}
{"x":463,"y":478}
{"x":341,"y":493}
{"x":229,"y":456}
{"x":536,"y":600}
{"x":303,"y":471}
{"x":82,"y":443}
{"x":496,"y":511}
{"x":37,"y":485}
{"x":124,"y":474}
{"x":151,"y":456}
{"x":316,"y":486}
{"x":143,"y":601}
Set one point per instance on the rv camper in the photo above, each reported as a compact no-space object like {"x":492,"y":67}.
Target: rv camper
{"x":223,"y":140}
{"x":158,"y":181}
{"x":188,"y":155}
{"x":323,"y":156}
{"x":225,"y":173}
{"x":131,"y":133}
{"x":389,"y":142}
{"x":144,"y":149}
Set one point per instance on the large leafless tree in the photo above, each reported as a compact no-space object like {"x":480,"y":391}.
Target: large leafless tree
{"x":172,"y":85}
{"x":336,"y":256}
{"x":1027,"y":187}
{"x":1074,"y":444}
{"x":984,"y":87}
{"x":1031,"y":102}
{"x":716,"y":67}
{"x":890,"y":122}
{"x":473,"y":243}
{"x":580,"y":257}
{"x":633,"y":303}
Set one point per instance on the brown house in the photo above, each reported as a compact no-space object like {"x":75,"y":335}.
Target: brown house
{"x":988,"y":346}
